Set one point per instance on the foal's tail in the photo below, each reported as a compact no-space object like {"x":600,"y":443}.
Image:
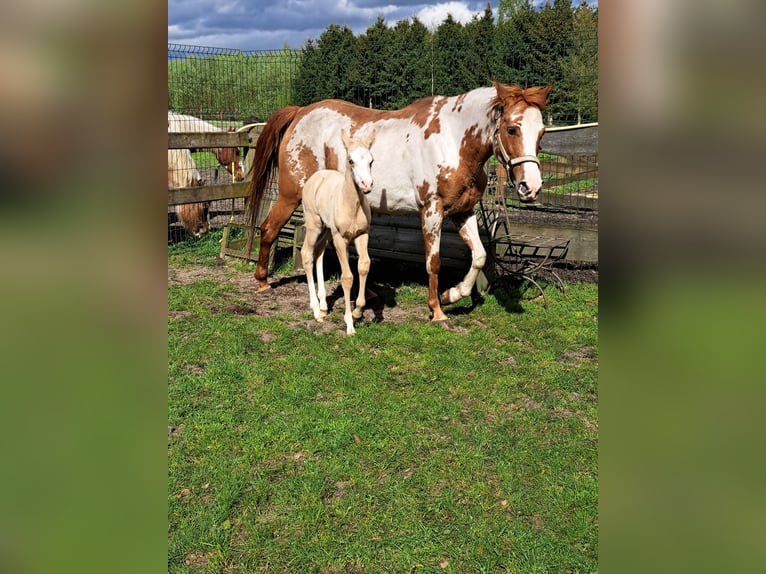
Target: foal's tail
{"x":265,"y":163}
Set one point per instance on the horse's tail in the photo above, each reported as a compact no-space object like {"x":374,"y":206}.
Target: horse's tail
{"x":265,"y":164}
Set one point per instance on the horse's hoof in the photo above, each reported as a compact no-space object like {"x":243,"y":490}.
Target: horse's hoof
{"x":323,"y":312}
{"x":263,"y":287}
{"x":438,"y":315}
{"x":450,"y":296}
{"x":357,"y":314}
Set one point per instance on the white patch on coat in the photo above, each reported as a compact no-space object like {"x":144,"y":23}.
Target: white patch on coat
{"x":404,"y":158}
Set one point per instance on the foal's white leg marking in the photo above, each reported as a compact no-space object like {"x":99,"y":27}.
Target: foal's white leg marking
{"x":319,"y":249}
{"x":470,"y":234}
{"x":322,"y":294}
{"x":363,"y":268}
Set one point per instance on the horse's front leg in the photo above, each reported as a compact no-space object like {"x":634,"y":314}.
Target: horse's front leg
{"x":469,"y":231}
{"x":346,"y":279}
{"x":431,"y":221}
{"x":363,"y":268}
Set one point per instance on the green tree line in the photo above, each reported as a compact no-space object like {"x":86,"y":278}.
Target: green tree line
{"x":388,"y":67}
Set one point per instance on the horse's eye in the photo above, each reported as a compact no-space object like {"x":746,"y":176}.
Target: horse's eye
{"x":351,"y":162}
{"x":511,"y":130}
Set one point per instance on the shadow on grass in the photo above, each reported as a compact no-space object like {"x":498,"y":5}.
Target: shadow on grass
{"x":387,"y":277}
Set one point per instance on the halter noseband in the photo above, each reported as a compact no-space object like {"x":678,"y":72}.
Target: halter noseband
{"x":506,"y":159}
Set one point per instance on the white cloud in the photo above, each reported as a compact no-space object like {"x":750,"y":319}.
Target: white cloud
{"x":434,"y":15}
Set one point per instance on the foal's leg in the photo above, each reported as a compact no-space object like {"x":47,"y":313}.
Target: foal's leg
{"x":307,"y":257}
{"x":346,"y":279}
{"x":363,"y":267}
{"x":319,"y":250}
{"x":469,"y":231}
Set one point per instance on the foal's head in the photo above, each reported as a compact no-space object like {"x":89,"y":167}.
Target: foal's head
{"x":517,"y":135}
{"x":360,"y":159}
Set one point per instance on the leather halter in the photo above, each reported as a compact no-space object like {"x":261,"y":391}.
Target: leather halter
{"x":504,"y":157}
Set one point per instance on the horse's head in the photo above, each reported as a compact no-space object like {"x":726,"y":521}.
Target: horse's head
{"x":231,"y":159}
{"x":194,"y":217}
{"x":360,"y":159}
{"x":516,"y":137}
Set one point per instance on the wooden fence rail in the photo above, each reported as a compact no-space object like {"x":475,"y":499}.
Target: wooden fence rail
{"x":245,"y":137}
{"x":568,"y":141}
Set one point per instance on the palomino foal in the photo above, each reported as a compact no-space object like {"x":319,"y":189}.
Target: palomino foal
{"x":335,"y":203}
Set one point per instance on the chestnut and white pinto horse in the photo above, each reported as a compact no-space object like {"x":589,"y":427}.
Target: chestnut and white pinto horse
{"x":429,"y":159}
{"x":335,"y":203}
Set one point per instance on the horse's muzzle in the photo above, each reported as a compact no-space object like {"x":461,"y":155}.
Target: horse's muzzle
{"x":525,"y":194}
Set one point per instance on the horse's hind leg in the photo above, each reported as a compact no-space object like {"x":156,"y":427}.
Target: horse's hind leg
{"x":319,"y":251}
{"x":278,"y":215}
{"x":469,"y":231}
{"x":364,"y":270}
{"x":307,"y":257}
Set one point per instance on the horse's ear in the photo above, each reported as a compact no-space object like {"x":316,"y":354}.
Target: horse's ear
{"x":499,"y":88}
{"x":369,"y":140}
{"x":346,"y":138}
{"x":547,"y":90}
{"x":505,"y":93}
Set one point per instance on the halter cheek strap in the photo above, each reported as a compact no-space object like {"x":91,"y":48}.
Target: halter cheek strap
{"x":506,"y":159}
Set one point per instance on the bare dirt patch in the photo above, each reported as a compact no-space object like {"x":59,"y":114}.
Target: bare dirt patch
{"x":288,"y":297}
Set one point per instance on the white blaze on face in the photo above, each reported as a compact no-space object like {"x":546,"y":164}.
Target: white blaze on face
{"x":531,"y":126}
{"x":360,"y":163}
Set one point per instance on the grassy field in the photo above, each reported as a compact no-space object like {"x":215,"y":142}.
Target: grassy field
{"x":407,"y":448}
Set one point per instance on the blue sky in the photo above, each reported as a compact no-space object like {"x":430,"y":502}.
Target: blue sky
{"x":272,"y":24}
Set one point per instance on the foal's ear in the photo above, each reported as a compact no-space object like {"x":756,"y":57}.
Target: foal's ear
{"x":346,"y":138}
{"x":369,"y":140}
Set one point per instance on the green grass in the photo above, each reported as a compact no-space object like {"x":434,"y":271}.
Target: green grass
{"x":407,"y":448}
{"x":204,"y":159}
{"x":571,"y":187}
